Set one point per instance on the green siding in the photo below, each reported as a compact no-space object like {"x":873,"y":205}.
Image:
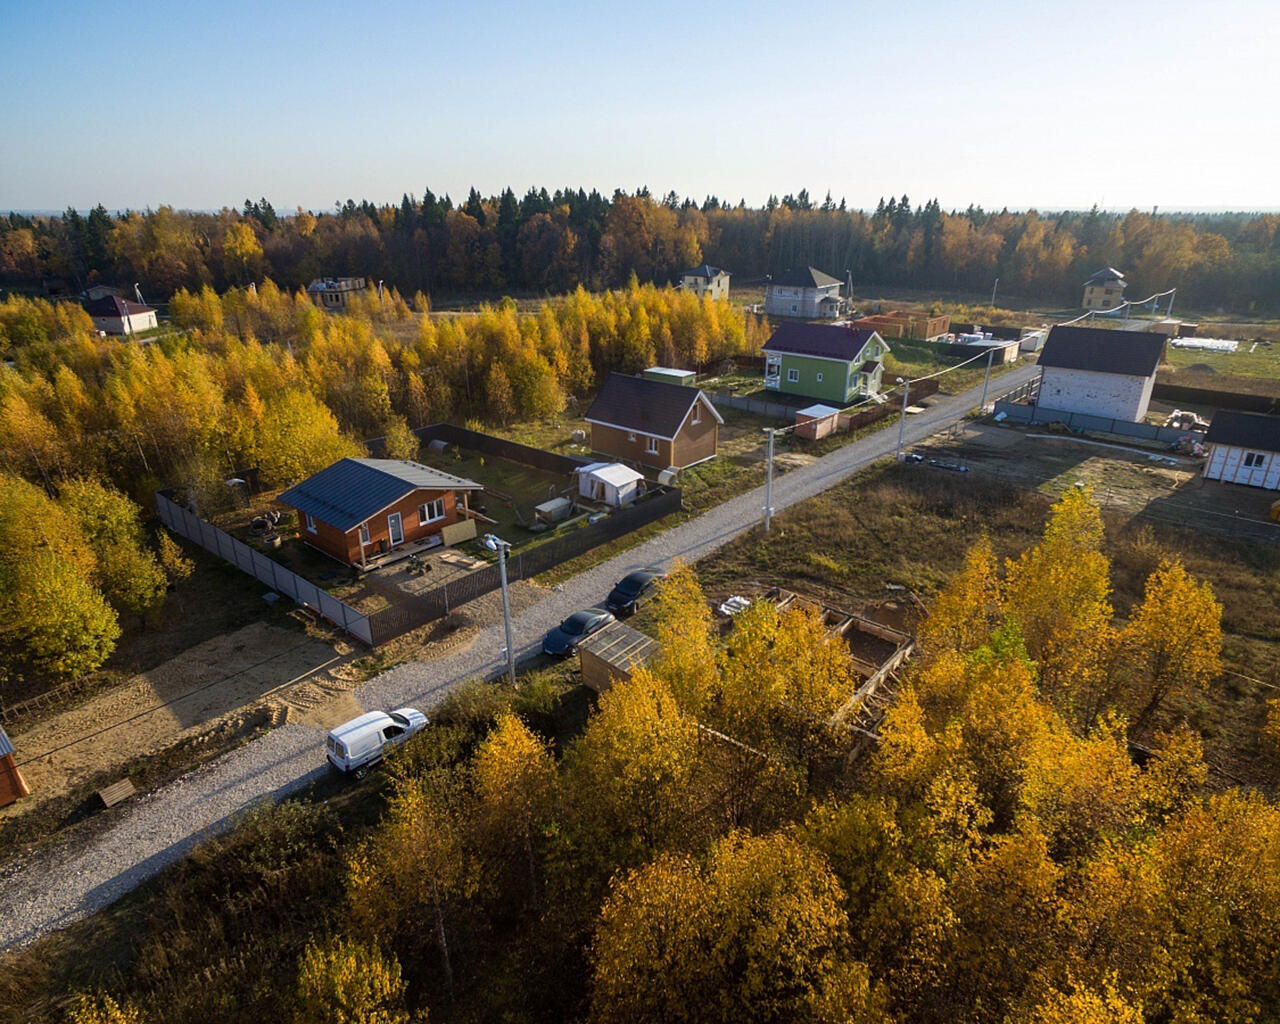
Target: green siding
{"x":835,"y":385}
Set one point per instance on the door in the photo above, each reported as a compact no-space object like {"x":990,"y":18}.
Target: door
{"x":394,"y":529}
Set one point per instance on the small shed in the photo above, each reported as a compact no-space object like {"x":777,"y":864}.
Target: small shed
{"x":817,"y":421}
{"x":669,"y":376}
{"x":12,"y":785}
{"x":609,"y":482}
{"x":610,"y":654}
{"x":557,"y":510}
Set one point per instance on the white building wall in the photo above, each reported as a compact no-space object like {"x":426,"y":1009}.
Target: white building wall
{"x":1113,"y":395}
{"x":802,"y":302}
{"x":1226,"y":463}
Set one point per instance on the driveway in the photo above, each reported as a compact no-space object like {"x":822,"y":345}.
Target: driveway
{"x":59,"y":886}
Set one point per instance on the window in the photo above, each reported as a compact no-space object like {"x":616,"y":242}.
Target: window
{"x":311,"y":522}
{"x":631,"y":435}
{"x":697,"y":414}
{"x":793,"y":376}
{"x":391,"y":732}
{"x":819,"y":378}
{"x":364,"y":533}
{"x":431,"y":511}
{"x":1254,"y":458}
{"x":652,"y":446}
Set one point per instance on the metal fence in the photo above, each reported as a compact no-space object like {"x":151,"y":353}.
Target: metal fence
{"x":255,"y":563}
{"x":420,"y":609}
{"x":1188,"y":395}
{"x":1032,"y":414}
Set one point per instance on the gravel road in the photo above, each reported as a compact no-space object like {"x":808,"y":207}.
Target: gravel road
{"x":56,"y":887}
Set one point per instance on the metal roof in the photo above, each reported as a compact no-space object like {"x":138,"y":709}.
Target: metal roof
{"x":1129,"y":353}
{"x":1244,"y":430}
{"x":651,"y":407}
{"x":351,"y":490}
{"x":1106,"y":275}
{"x":817,"y":411}
{"x":825,"y":341}
{"x":5,"y":746}
{"x":113,"y":305}
{"x":613,"y":473}
{"x":805,"y":277}
{"x":705,"y":270}
{"x":621,"y":646}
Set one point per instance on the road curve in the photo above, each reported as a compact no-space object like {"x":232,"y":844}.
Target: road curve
{"x":56,"y":887}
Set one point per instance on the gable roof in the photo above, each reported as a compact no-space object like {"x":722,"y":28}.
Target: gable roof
{"x":1244,"y":430}
{"x":1130,"y":353}
{"x":351,"y":490}
{"x":705,"y":270}
{"x":5,"y":746}
{"x":825,"y":341}
{"x":113,"y":305}
{"x":651,"y":407}
{"x":805,"y":277}
{"x":1106,"y":275}
{"x":614,"y":473}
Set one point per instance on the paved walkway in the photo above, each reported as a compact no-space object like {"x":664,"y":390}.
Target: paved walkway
{"x":63,"y":885}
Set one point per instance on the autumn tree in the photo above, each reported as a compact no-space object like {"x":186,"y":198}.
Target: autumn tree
{"x":346,"y":982}
{"x":687,"y":658}
{"x":759,"y":931}
{"x":126,"y":570}
{"x":103,"y":1009}
{"x":967,"y":610}
{"x":299,"y":436}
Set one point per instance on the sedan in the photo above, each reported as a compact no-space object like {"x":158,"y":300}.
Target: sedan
{"x":564,"y":639}
{"x":626,"y":596}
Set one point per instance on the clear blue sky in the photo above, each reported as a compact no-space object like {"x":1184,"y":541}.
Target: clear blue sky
{"x":1121,"y":103}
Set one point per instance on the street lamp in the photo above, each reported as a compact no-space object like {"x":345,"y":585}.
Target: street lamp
{"x":501,"y":547}
{"x":902,"y":423}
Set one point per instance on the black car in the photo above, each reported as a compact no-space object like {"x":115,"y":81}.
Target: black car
{"x":624,"y":598}
{"x":564,"y":639}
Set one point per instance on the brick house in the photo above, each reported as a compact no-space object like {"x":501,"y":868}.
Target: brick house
{"x":654,"y":424}
{"x":1099,"y":372}
{"x":359,"y":508}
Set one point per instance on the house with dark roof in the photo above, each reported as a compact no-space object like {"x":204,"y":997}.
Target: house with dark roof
{"x":1244,"y":448}
{"x":358,"y":509}
{"x":1104,"y":290}
{"x":654,"y":424}
{"x":706,"y":280}
{"x":334,"y":293}
{"x":807,"y":294}
{"x":832,"y":362}
{"x":114,"y":315}
{"x":1099,"y":372}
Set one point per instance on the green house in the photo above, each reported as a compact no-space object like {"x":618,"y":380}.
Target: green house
{"x":832,"y":362}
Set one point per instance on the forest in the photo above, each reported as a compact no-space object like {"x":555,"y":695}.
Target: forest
{"x":549,"y":243}
{"x":259,"y":378}
{"x":708,"y":848}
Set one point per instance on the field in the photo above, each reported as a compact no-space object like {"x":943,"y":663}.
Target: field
{"x":909,"y":526}
{"x":1246,"y":361}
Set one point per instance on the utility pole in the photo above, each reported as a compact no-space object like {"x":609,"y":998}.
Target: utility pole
{"x":497,"y":544}
{"x":902,"y":423}
{"x":993,"y":292}
{"x":768,"y":485}
{"x":982,"y":406}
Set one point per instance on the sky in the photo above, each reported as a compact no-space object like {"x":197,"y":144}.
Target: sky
{"x":1053,"y":105}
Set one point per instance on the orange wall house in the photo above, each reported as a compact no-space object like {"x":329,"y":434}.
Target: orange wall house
{"x":360,"y":508}
{"x":653,"y":424}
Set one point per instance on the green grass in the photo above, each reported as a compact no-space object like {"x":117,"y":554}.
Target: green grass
{"x":1264,"y":362}
{"x":524,"y":485}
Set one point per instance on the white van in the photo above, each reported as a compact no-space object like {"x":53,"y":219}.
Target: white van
{"x":357,"y":745}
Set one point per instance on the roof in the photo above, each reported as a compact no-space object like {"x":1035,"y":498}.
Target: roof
{"x":817,"y":411}
{"x":870,"y":366}
{"x":1244,"y":430}
{"x":826,"y":341}
{"x":651,"y":407}
{"x":1130,"y":353}
{"x":668,"y":371}
{"x":351,"y":490}
{"x":806,"y":277}
{"x":5,"y":746}
{"x":1106,"y":275}
{"x":706,"y":270}
{"x":113,"y":305}
{"x":613,"y":473}
{"x":336,"y":284}
{"x":621,"y":646}
{"x":366,"y":720}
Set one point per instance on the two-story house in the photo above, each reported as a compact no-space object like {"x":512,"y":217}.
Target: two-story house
{"x":807,"y":294}
{"x":1104,"y":290}
{"x":333,"y":293}
{"x":706,"y":280}
{"x":1099,"y":372}
{"x":833,"y":362}
{"x":652,"y":423}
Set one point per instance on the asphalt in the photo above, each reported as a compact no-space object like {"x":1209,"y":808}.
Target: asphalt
{"x":56,"y":887}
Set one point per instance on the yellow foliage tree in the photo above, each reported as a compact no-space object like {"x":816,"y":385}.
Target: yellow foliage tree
{"x":102,"y":1009}
{"x":343,"y":982}
{"x":964,"y":614}
{"x":688,"y":660}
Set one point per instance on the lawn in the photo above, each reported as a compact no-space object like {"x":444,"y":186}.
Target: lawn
{"x":1247,"y":361}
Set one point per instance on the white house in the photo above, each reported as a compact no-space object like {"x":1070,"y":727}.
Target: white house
{"x":114,"y":315}
{"x":1244,"y":448}
{"x":1099,"y":372}
{"x":706,"y":280}
{"x":807,"y":293}
{"x":610,"y":482}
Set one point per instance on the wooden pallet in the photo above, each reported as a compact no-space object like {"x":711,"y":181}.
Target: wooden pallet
{"x":116,"y":792}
